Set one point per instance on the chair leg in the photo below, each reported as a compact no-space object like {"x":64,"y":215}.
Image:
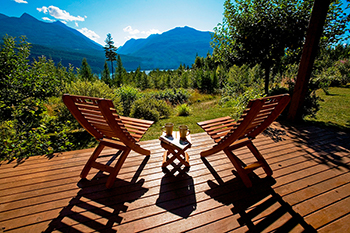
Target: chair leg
{"x":260,"y":159}
{"x":91,"y":160}
{"x":117,"y":167}
{"x":237,"y":163}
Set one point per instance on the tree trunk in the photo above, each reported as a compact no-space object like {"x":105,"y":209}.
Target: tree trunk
{"x":314,"y":32}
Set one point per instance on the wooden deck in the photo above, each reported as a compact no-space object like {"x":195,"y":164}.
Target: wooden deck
{"x":309,"y":190}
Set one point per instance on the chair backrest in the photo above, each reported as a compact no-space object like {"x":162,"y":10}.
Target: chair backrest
{"x":258,"y":115}
{"x":98,"y":117}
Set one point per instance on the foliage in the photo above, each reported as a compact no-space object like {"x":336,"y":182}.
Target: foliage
{"x":110,"y":50}
{"x":24,"y":88}
{"x":128,"y":95}
{"x":344,"y":70}
{"x":119,"y":73}
{"x":238,"y":102}
{"x":85,"y":71}
{"x":183,"y":110}
{"x":18,"y":81}
{"x":173,"y":96}
{"x":150,"y":109}
{"x":18,"y":141}
{"x":95,"y":88}
{"x":263,"y":32}
{"x":106,"y":75}
{"x":241,"y":78}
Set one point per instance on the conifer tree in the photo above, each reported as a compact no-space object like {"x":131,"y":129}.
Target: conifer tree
{"x":105,"y":75}
{"x":119,"y":72}
{"x":110,"y":50}
{"x":85,"y":71}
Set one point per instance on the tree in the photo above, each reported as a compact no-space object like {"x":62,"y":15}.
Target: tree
{"x":85,"y":71}
{"x":110,"y":50}
{"x":264,"y":31}
{"x":105,"y":75}
{"x":24,"y":89}
{"x":119,"y":72}
{"x":20,"y":82}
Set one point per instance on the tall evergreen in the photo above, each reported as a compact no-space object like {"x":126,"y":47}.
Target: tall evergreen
{"x":105,"y":75}
{"x":85,"y":71}
{"x":110,"y":50}
{"x":120,"y":71}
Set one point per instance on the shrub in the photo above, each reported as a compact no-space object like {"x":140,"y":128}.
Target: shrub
{"x":238,"y":102}
{"x":24,"y":122}
{"x":150,"y":109}
{"x":183,"y":110}
{"x":243,"y":77}
{"x":173,"y":96}
{"x":128,"y":95}
{"x":19,"y":141}
{"x":344,"y":69}
{"x":95,"y":88}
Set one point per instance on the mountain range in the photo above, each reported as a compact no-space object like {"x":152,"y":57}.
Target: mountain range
{"x":63,"y":44}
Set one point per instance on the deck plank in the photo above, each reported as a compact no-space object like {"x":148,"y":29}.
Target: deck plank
{"x":309,"y":189}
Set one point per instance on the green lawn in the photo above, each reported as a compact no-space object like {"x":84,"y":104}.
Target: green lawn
{"x":335,"y":109}
{"x":199,"y":112}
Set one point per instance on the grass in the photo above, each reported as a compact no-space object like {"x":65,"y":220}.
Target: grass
{"x":334,"y":110}
{"x":199,"y":112}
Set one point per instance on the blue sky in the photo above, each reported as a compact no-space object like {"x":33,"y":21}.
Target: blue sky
{"x":124,"y":19}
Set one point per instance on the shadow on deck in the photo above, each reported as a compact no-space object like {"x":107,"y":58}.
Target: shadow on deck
{"x":309,"y":190}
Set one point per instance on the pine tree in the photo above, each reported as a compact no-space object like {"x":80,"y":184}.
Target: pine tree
{"x":110,"y":50}
{"x":119,"y":72}
{"x":85,"y":71}
{"x":105,"y":75}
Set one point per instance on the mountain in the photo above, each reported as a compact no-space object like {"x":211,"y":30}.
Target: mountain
{"x":59,"y":42}
{"x":54,"y":35}
{"x":169,"y":49}
{"x":63,"y":44}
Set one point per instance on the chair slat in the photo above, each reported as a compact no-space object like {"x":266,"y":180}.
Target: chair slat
{"x":219,"y":123}
{"x":90,"y":112}
{"x":87,"y":106}
{"x":136,"y":121}
{"x":203,"y":123}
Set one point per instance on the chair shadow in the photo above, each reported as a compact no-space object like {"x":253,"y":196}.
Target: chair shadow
{"x":259,"y":206}
{"x":177,"y":194}
{"x":96,"y":208}
{"x":324,"y":143}
{"x":275,"y":134}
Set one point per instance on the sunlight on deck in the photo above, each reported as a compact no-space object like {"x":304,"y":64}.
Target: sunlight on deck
{"x":309,"y":189}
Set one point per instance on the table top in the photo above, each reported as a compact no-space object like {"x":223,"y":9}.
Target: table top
{"x":176,"y":141}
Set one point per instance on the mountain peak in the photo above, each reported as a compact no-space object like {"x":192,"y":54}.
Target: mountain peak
{"x":26,"y":16}
{"x":169,"y":49}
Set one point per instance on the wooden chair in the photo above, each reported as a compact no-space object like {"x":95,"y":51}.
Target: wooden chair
{"x":99,"y":118}
{"x":230,"y":135}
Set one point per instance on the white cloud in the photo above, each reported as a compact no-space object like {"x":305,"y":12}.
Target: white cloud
{"x":20,"y":1}
{"x":48,"y":19}
{"x":135,"y":33}
{"x":90,"y":34}
{"x":59,"y":14}
{"x":130,"y":30}
{"x":76,"y":24}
